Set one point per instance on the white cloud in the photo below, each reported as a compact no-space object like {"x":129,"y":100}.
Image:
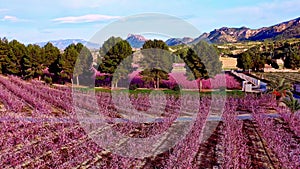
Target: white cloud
{"x":85,"y":18}
{"x":10,"y":18}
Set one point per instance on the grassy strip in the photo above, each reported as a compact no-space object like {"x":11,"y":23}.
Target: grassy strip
{"x":166,"y":91}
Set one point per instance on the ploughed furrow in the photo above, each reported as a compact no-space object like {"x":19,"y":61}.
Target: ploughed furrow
{"x":50,"y":141}
{"x":210,"y":154}
{"x":24,"y":137}
{"x":261,"y":156}
{"x":62,"y":154}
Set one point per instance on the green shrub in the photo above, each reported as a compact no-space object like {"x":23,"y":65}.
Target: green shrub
{"x":176,"y":88}
{"x":133,"y":87}
{"x":48,"y":80}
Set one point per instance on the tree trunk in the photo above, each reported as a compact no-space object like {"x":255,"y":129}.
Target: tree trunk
{"x":154,"y":82}
{"x":77,"y":80}
{"x":200,"y":85}
{"x":157,"y":82}
{"x":72,"y":81}
{"x":200,"y":89}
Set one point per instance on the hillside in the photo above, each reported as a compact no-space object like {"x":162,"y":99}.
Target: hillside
{"x":285,"y":30}
{"x":178,"y":41}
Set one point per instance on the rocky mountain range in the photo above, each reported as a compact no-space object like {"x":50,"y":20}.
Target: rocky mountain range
{"x":284,"y":30}
{"x":62,"y":44}
{"x":179,"y":41}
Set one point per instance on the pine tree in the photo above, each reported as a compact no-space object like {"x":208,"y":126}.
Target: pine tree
{"x":4,"y":48}
{"x":157,"y":61}
{"x":107,"y":45}
{"x":33,"y":62}
{"x":50,"y":54}
{"x":117,"y":57}
{"x":202,"y":62}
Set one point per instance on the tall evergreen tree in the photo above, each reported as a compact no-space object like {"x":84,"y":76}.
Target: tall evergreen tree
{"x":83,"y":63}
{"x":55,"y":68}
{"x":11,"y":54}
{"x":245,"y":62}
{"x":32,"y":63}
{"x":107,"y":45}
{"x":51,"y":53}
{"x":67,"y":62}
{"x":209,"y":57}
{"x":75,"y":60}
{"x":4,"y":49}
{"x":117,"y":57}
{"x":195,"y":68}
{"x":291,"y":56}
{"x":202,"y":62}
{"x":18,"y":50}
{"x":252,"y":59}
{"x":157,"y":61}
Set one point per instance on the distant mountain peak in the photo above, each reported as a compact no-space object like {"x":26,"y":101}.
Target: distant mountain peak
{"x":136,"y":41}
{"x":63,"y":43}
{"x":139,"y":37}
{"x":179,"y":41}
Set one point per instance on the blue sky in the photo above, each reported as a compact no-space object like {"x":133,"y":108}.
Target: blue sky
{"x":34,"y":20}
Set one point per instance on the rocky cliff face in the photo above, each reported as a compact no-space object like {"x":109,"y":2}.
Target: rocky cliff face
{"x":179,"y":41}
{"x":289,"y":29}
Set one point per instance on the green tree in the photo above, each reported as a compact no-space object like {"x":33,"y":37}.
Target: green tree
{"x":253,"y":59}
{"x":32,"y":63}
{"x":10,"y":65}
{"x":210,"y":57}
{"x":11,"y":54}
{"x":67,"y":62}
{"x":56,"y":68}
{"x":83,"y":63}
{"x":4,"y":48}
{"x":202,"y":62}
{"x":195,"y":68}
{"x":118,"y":57}
{"x":51,"y":53}
{"x":18,"y":50}
{"x":107,"y":45}
{"x":157,"y":61}
{"x":292,"y":56}
{"x":76,"y":60}
{"x":182,"y":52}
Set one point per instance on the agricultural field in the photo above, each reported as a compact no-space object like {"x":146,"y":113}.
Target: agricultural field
{"x":40,"y":128}
{"x":228,"y":63}
{"x":292,"y":77}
